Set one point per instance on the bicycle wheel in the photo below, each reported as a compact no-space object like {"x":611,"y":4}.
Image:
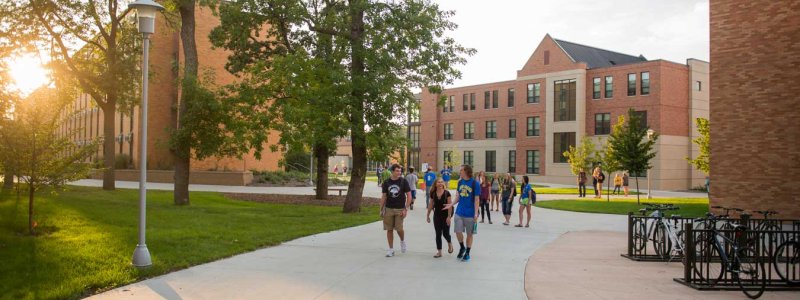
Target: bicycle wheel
{"x":751,"y":275}
{"x":787,"y":262}
{"x":661,"y":242}
{"x":771,"y":239}
{"x":681,"y":245}
{"x":708,"y":267}
{"x":639,"y":235}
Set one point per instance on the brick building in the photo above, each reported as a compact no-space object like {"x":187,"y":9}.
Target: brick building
{"x":755,"y":137}
{"x":566,"y":91}
{"x":164,"y":94}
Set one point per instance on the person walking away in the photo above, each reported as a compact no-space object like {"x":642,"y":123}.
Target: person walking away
{"x":440,"y":197}
{"x":466,"y":215}
{"x":595,"y":175}
{"x":582,"y":183}
{"x":494,"y":200}
{"x":526,"y":199}
{"x":508,"y":193}
{"x":379,"y":173}
{"x":430,"y":178}
{"x":412,"y":184}
{"x":336,"y":171}
{"x":600,"y":179}
{"x":446,"y":173}
{"x":625,"y":183}
{"x":617,"y":184}
{"x":485,"y":188}
{"x":395,"y":198}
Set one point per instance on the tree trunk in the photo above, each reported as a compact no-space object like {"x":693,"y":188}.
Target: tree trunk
{"x":608,"y":188}
{"x":355,"y":189}
{"x":109,"y":112}
{"x":637,"y":190}
{"x":321,"y":155}
{"x":182,"y":151}
{"x":30,"y":208}
{"x":8,"y":178}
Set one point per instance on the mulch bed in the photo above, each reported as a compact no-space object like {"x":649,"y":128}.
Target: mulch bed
{"x":298,"y":199}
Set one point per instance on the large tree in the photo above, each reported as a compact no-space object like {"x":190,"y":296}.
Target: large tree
{"x":94,"y":50}
{"x":631,"y":147}
{"x":388,"y":49}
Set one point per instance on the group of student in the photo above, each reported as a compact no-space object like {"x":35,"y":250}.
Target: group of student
{"x":598,"y":177}
{"x":475,"y":196}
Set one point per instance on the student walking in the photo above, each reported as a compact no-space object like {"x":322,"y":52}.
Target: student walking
{"x":509,"y":192}
{"x":446,"y":172}
{"x":485,"y":188}
{"x":430,"y":177}
{"x":582,"y":183}
{"x":526,"y":200}
{"x":469,"y":191}
{"x":617,"y":184}
{"x":379,"y":173}
{"x":412,"y":185}
{"x":599,"y":177}
{"x":625,"y":182}
{"x":494,"y":200}
{"x":441,"y":216}
{"x":396,"y":197}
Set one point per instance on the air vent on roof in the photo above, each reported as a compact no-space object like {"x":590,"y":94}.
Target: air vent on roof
{"x":612,"y":62}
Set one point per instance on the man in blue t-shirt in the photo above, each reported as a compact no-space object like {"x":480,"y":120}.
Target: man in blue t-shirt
{"x":446,"y":172}
{"x":466,"y":216}
{"x":430,"y":177}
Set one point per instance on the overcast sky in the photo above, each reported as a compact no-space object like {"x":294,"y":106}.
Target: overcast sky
{"x":505,"y":32}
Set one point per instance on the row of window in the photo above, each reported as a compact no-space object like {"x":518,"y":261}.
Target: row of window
{"x":533,"y":129}
{"x":602,"y":122}
{"x":492,"y":99}
{"x":644,"y":86}
{"x":531,"y":160}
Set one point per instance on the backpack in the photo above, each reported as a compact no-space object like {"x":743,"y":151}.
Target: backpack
{"x":602,"y":176}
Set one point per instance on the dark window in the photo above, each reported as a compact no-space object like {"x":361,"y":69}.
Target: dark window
{"x":469,"y":130}
{"x":495,"y":99}
{"x":465,"y":105}
{"x":472,"y":101}
{"x":561,"y":143}
{"x":596,"y":88}
{"x":564,"y":92}
{"x":491,"y":129}
{"x":512,"y":161}
{"x":645,"y":83}
{"x":533,"y":126}
{"x":642,"y":118}
{"x":512,"y":128}
{"x":602,"y":124}
{"x":469,"y":158}
{"x":448,"y":131}
{"x":448,"y":157}
{"x":486,"y":98}
{"x":698,"y":86}
{"x":414,"y":132}
{"x":511,"y":97}
{"x":609,"y":86}
{"x":532,"y":162}
{"x":491,"y":161}
{"x":533,"y":93}
{"x":632,"y":84}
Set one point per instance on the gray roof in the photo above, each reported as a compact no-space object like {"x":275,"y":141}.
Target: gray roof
{"x":596,"y":57}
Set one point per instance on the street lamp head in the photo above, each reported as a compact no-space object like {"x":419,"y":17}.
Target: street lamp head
{"x":146,"y":11}
{"x":650,"y":133}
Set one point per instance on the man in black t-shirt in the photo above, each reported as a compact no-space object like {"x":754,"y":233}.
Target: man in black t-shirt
{"x":394,"y":207}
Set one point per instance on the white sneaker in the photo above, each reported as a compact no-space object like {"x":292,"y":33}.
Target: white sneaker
{"x":403,"y":246}
{"x":390,"y":253}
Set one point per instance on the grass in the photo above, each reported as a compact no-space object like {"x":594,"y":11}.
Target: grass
{"x":689,"y":207}
{"x":573,"y":191}
{"x":87,"y":236}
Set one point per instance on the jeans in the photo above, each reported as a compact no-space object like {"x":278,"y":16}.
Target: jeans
{"x":485,"y":209}
{"x":582,"y":189}
{"x":442,"y":229}
{"x":427,"y":196}
{"x":616,"y":189}
{"x":507,"y":204}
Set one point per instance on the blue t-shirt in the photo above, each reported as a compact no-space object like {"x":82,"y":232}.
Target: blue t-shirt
{"x":467,"y":190}
{"x":446,"y":176}
{"x":528,"y":188}
{"x":430,"y":177}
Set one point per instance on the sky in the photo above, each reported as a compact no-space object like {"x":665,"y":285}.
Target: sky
{"x":506,"y":32}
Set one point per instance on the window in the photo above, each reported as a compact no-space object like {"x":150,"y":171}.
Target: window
{"x":511,"y":97}
{"x":561,"y":143}
{"x":632,"y":84}
{"x":469,"y":130}
{"x":602,"y":124}
{"x":448,"y":131}
{"x":465,"y":105}
{"x":414,"y":131}
{"x":532,"y":162}
{"x":472,"y":101}
{"x":698,"y":85}
{"x":448,"y":104}
{"x":452,"y":103}
{"x":533,"y":93}
{"x":491,"y":129}
{"x":609,"y":86}
{"x":564,"y":92}
{"x":642,"y":118}
{"x":491,"y":161}
{"x":512,"y":161}
{"x":596,"y":88}
{"x":486,"y":96}
{"x":469,"y":158}
{"x":533,"y":126}
{"x":448,"y":157}
{"x":495,"y":99}
{"x":645,"y":83}
{"x":512,"y":128}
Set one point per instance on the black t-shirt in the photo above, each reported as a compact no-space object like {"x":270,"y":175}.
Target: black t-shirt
{"x":438,"y":204}
{"x":395,"y":191}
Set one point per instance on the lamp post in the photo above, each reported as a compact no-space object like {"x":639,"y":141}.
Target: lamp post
{"x":146,"y":14}
{"x":650,"y":133}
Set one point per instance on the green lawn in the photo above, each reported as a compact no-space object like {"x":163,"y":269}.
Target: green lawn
{"x":689,"y":207}
{"x":88,"y":236}
{"x":573,"y":191}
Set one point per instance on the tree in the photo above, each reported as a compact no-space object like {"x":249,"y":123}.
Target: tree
{"x":581,"y":158}
{"x":388,"y":48}
{"x":630,"y":145}
{"x":44,"y":158}
{"x":94,"y":49}
{"x":609,"y":162}
{"x":454,"y":159}
{"x":701,"y":162}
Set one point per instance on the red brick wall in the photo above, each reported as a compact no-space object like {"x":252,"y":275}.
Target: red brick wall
{"x":755,"y":136}
{"x":559,"y":61}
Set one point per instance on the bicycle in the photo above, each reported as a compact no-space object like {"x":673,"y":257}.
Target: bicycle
{"x":667,"y":238}
{"x":742,"y":261}
{"x":788,"y":254}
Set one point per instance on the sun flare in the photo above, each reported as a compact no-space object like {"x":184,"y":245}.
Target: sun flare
{"x":27,"y":73}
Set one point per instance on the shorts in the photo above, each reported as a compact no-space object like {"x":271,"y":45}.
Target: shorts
{"x":495,"y":192}
{"x":393,"y":219}
{"x":463,"y":224}
{"x":526,"y":202}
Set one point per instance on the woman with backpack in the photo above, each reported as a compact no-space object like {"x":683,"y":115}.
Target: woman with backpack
{"x":526,"y":199}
